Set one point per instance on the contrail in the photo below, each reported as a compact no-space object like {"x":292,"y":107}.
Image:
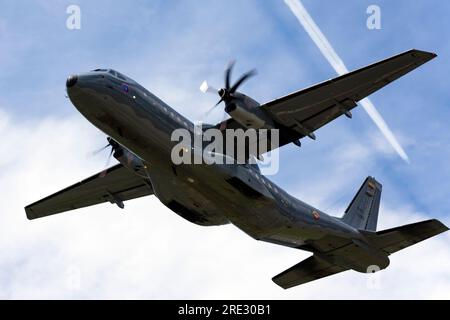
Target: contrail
{"x":336,"y":62}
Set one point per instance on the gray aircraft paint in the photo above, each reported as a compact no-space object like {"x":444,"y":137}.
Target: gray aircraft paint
{"x":218,"y":194}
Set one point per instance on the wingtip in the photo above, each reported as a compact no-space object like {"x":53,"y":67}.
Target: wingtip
{"x":444,"y":227}
{"x":279,"y":283}
{"x":426,"y":54}
{"x":29,"y":213}
{"x":441,"y":225}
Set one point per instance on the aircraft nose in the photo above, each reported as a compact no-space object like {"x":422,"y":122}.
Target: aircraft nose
{"x":71,"y":81}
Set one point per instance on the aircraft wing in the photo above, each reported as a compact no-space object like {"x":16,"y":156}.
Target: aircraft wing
{"x":301,"y":113}
{"x":116,"y":184}
{"x":310,"y":269}
{"x":307,"y":110}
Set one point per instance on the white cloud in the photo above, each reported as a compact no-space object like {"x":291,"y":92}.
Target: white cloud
{"x":146,"y":251}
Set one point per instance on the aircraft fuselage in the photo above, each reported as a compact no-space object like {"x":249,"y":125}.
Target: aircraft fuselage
{"x":204,"y":194}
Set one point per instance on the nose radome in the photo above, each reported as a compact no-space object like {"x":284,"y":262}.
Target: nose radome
{"x":71,"y":81}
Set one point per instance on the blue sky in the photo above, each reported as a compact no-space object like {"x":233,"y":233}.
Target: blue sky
{"x":170,"y":47}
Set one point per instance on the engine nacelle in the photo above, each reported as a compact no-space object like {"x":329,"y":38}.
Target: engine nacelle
{"x":245,"y":118}
{"x":247,"y":112}
{"x":128,"y":159}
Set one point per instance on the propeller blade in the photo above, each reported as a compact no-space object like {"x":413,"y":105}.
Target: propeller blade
{"x":225,"y":93}
{"x":94,"y":153}
{"x":206,"y":88}
{"x":207,"y":113}
{"x":220,"y":101}
{"x":228,"y":74}
{"x":104,"y":172}
{"x":242,"y":79}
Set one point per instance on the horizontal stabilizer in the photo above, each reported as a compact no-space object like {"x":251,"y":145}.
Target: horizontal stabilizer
{"x":310,"y":269}
{"x":393,"y":240}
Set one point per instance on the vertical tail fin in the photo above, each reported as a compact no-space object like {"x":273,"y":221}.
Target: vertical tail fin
{"x":362,"y":213}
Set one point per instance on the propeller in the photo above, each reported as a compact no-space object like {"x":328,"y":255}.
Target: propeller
{"x":226,"y":93}
{"x":115,"y":148}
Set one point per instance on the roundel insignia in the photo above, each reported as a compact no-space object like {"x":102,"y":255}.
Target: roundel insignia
{"x":125,"y":88}
{"x":316,"y":215}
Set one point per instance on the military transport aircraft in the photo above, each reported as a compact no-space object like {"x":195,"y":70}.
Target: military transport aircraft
{"x":139,"y":127}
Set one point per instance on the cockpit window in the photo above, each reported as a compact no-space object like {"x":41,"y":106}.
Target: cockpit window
{"x":121,"y":76}
{"x":99,"y":70}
